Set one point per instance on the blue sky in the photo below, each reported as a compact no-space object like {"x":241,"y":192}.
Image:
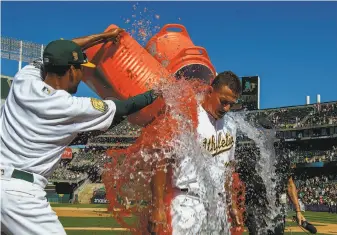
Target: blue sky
{"x":292,"y":46}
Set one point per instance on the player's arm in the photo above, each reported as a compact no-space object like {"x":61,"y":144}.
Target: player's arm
{"x":132,"y":105}
{"x":230,"y":192}
{"x":89,"y":114}
{"x":292,"y":194}
{"x":158,"y":187}
{"x":94,"y":39}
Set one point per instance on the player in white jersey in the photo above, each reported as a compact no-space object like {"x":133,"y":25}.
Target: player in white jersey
{"x":39,"y":119}
{"x":217,"y":134}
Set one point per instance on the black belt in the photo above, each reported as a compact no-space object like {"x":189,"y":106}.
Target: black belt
{"x":22,"y":175}
{"x":185,"y":190}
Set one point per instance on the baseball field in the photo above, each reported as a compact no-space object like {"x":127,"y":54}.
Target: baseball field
{"x":85,"y":219}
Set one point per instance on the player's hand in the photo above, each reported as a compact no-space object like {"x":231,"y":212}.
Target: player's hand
{"x":158,"y":220}
{"x":235,"y":217}
{"x":156,"y":93}
{"x":300,"y":218}
{"x":113,"y":34}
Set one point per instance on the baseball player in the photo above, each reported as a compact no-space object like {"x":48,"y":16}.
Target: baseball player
{"x":217,"y":133}
{"x":40,"y":118}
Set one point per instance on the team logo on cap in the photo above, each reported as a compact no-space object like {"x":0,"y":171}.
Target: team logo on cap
{"x":75,"y":56}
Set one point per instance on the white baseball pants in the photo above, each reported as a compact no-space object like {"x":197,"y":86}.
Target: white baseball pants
{"x":187,"y":214}
{"x":24,"y":207}
{"x":189,"y":217}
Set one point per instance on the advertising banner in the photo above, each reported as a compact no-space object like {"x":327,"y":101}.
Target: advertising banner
{"x":99,"y":197}
{"x":67,"y":154}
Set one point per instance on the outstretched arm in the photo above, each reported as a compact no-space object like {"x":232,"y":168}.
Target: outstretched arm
{"x":94,"y":39}
{"x":292,"y":193}
{"x":132,"y":105}
{"x":231,"y":204}
{"x":158,"y":218}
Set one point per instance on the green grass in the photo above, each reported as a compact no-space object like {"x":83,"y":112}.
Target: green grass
{"x":321,"y":217}
{"x":313,"y":217}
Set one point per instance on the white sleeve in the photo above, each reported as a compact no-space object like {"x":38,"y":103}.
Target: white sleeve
{"x":91,"y":114}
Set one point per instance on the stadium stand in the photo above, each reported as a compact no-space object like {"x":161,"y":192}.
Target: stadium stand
{"x":302,"y":126}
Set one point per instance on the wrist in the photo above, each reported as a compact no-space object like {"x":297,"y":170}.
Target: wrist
{"x":158,"y":204}
{"x":103,"y":36}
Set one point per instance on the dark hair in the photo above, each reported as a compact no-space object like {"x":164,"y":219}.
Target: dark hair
{"x":59,"y":70}
{"x":227,"y":78}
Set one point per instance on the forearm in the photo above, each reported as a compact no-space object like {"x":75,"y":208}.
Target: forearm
{"x":229,"y":189}
{"x":133,"y":104}
{"x":158,"y":184}
{"x":89,"y":41}
{"x":292,"y":193}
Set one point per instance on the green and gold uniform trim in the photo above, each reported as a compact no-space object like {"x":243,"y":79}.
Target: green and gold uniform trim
{"x":99,"y":105}
{"x":221,"y":144}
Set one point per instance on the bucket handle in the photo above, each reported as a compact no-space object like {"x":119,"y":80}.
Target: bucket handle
{"x":200,"y":51}
{"x":179,"y":26}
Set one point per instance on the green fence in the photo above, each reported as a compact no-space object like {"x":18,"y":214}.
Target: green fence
{"x":58,"y":198}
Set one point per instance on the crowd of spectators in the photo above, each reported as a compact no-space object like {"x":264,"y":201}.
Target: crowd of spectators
{"x":326,"y":114}
{"x":125,"y":129}
{"x":84,"y":164}
{"x":62,"y":173}
{"x":300,"y":116}
{"x":314,"y":156}
{"x":89,"y":163}
{"x":318,"y":190}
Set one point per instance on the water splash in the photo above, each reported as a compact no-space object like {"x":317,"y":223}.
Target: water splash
{"x":142,"y":24}
{"x":265,"y":167}
{"x":172,"y":135}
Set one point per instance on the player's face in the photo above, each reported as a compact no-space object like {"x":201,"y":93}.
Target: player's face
{"x":75,"y":79}
{"x":221,"y":101}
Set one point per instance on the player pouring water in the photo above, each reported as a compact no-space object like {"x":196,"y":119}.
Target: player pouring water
{"x":39,"y":119}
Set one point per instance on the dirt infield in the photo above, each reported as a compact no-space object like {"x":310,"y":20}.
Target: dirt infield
{"x":81,"y":212}
{"x":97,"y":229}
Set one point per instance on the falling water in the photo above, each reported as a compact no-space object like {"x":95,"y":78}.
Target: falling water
{"x":186,"y":144}
{"x":265,"y":167}
{"x":176,"y":138}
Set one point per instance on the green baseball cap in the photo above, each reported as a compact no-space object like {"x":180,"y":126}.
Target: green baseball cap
{"x":63,"y":53}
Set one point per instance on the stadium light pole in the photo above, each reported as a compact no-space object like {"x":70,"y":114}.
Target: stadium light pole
{"x":19,"y":50}
{"x":41,"y":51}
{"x":20,"y":56}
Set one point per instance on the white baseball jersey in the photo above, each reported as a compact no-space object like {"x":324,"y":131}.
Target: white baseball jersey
{"x":38,"y":122}
{"x":188,"y":210}
{"x":218,"y":138}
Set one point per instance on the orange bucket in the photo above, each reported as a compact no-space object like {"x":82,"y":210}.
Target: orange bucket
{"x":166,"y":44}
{"x":124,"y":70}
{"x":192,"y":62}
